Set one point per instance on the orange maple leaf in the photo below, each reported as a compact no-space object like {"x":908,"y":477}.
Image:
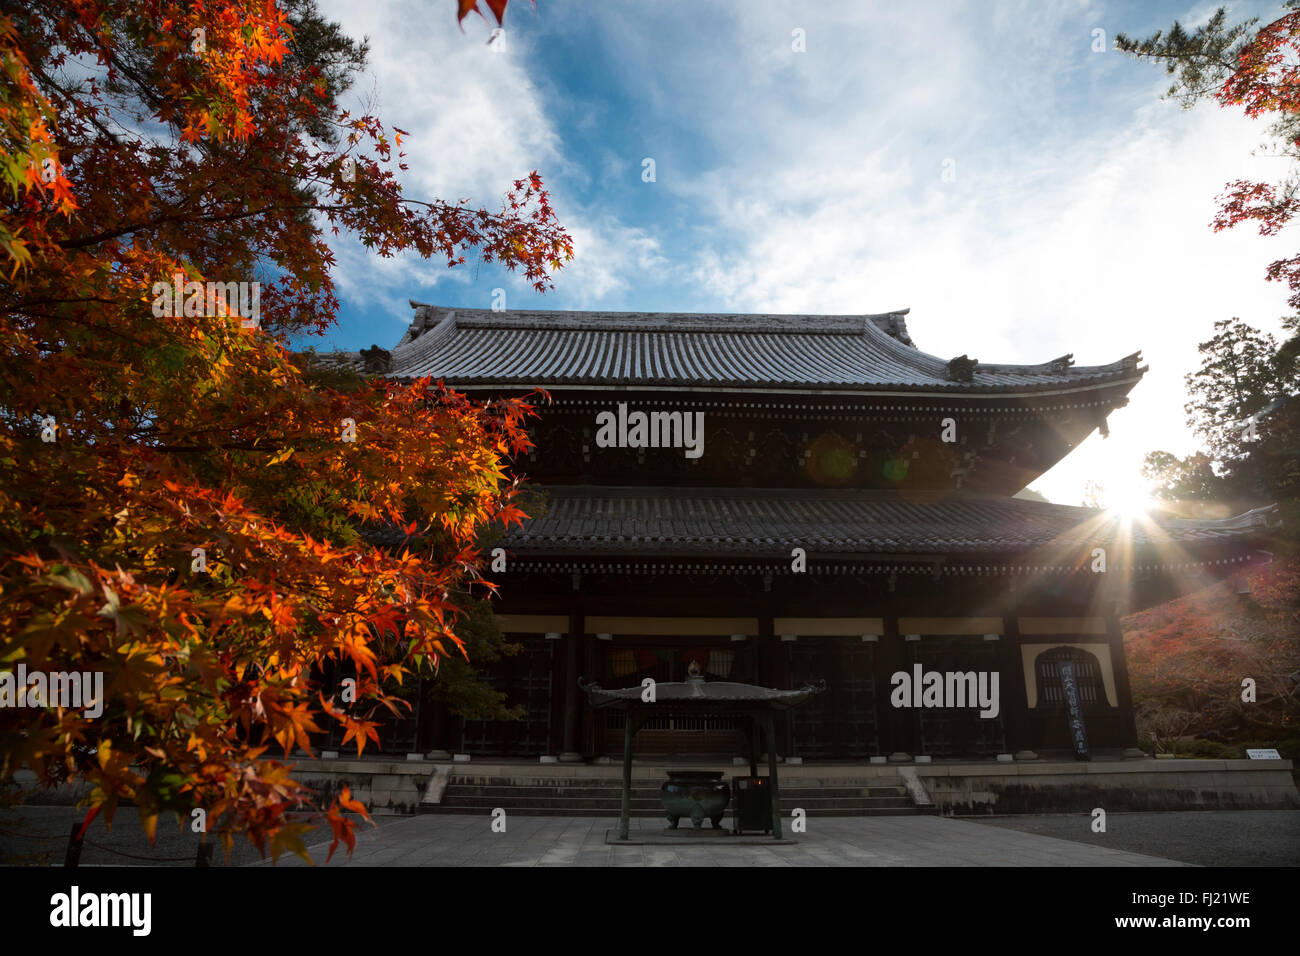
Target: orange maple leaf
{"x":498,"y":8}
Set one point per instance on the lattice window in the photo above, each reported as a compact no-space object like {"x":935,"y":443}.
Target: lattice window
{"x":525,"y":678}
{"x":841,"y":721}
{"x":720,"y":663}
{"x":958,"y":732}
{"x":622,"y":663}
{"x":1087,"y":674}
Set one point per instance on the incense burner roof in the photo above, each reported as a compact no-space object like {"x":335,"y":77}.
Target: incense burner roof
{"x":701,"y":693}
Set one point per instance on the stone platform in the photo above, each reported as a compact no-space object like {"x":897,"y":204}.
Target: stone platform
{"x":946,"y":787}
{"x":956,"y":788}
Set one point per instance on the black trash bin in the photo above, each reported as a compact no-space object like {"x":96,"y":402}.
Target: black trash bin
{"x":753,"y":804}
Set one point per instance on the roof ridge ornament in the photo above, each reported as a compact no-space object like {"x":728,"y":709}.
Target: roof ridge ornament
{"x":421,"y":321}
{"x":376,"y":361}
{"x":895,"y":325}
{"x":962,"y":369}
{"x":425,"y":319}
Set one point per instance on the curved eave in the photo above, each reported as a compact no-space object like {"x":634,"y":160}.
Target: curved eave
{"x":754,"y":530}
{"x":757,"y":389}
{"x":954,"y":532}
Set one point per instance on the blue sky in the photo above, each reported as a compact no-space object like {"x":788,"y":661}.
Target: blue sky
{"x":1074,"y":216}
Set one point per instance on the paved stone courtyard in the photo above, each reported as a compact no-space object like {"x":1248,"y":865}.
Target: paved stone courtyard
{"x":1216,"y":838}
{"x":1234,"y":838}
{"x":837,"y":841}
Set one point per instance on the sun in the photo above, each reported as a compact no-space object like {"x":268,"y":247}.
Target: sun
{"x":1128,"y":497}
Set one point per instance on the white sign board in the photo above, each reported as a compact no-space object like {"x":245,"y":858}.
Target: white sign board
{"x":1263,"y":755}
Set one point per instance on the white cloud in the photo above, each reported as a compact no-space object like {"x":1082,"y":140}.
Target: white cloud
{"x":811,"y":182}
{"x":477,"y":120}
{"x":607,"y":259}
{"x":1075,"y":224}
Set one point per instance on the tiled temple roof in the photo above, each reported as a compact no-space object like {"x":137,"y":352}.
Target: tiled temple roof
{"x":476,"y":347}
{"x":590,"y":521}
{"x":689,"y":521}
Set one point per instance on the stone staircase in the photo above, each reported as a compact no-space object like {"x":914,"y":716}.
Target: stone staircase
{"x":528,"y":794}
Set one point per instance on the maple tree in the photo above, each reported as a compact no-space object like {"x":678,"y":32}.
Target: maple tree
{"x":1256,"y":70}
{"x":182,"y":500}
{"x":1243,"y":404}
{"x":1187,"y":657}
{"x":498,"y":8}
{"x":1179,"y":652}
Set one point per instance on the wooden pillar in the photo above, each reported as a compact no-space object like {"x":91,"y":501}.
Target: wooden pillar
{"x":587,"y":654}
{"x":894,"y":726}
{"x":834,"y":661}
{"x":1015,"y":701}
{"x":424,"y":716}
{"x":772,"y":673}
{"x":443,"y":729}
{"x":766,"y":669}
{"x":417,"y":735}
{"x":628,"y":731}
{"x":1123,"y":688}
{"x":569,"y":747}
{"x":771,"y":772}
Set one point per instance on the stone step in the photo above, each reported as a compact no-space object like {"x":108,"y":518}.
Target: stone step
{"x":611,"y":775}
{"x":531,"y":795}
{"x":596,"y":803}
{"x":507,"y":791}
{"x":613,"y":812}
{"x":641,"y":780}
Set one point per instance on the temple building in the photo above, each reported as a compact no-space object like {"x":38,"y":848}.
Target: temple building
{"x":784,"y":499}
